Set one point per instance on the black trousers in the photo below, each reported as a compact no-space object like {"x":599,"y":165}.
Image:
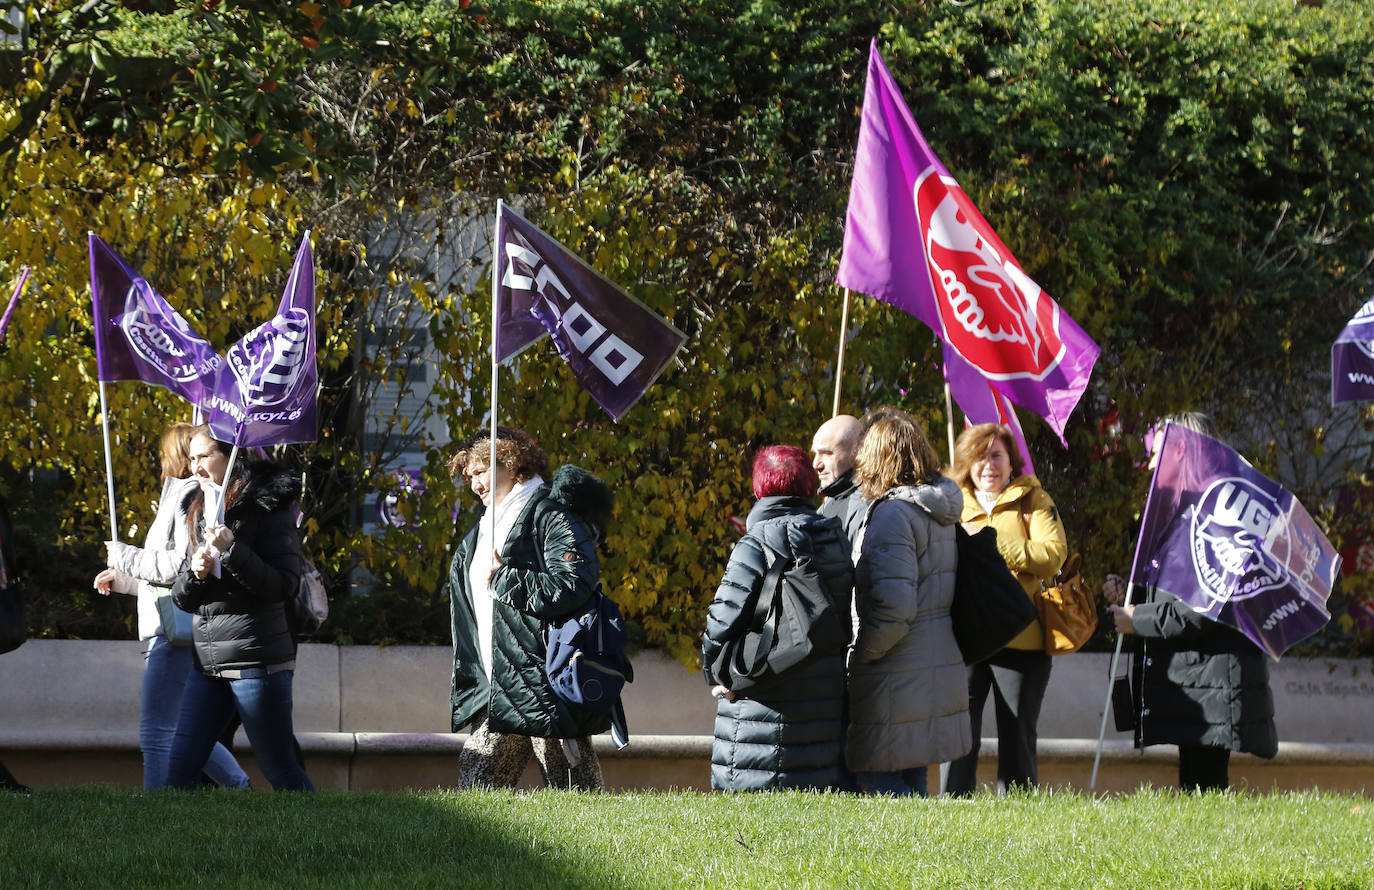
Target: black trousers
{"x":1018,"y":679}
{"x":1203,"y":768}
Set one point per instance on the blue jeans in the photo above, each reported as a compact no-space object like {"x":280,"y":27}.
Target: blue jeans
{"x":165,"y":670}
{"x":898,"y":783}
{"x":263,"y":702}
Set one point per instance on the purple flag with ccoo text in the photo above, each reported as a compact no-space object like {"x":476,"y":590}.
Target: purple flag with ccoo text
{"x":1352,"y":359}
{"x":1234,"y":545}
{"x":614,"y":344}
{"x":138,"y":336}
{"x":265,"y":394}
{"x":913,"y":238}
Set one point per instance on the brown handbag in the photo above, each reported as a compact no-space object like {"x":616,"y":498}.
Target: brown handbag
{"x":1068,"y":608}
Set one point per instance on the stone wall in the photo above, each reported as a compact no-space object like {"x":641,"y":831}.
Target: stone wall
{"x":376,"y":718}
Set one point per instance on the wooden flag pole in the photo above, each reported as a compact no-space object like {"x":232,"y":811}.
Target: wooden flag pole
{"x":839,"y":364}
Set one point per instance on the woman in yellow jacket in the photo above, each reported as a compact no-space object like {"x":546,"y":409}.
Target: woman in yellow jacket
{"x":1030,"y":537}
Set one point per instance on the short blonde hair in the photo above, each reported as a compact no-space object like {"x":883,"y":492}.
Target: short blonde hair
{"x":974,"y":442}
{"x":894,"y":451}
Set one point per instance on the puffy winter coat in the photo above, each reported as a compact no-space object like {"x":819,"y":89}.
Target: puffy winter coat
{"x":548,"y":570}
{"x":151,"y":570}
{"x":240,"y":616}
{"x":908,"y":690}
{"x":787,"y":734}
{"x":1032,"y":559}
{"x":1199,"y":682}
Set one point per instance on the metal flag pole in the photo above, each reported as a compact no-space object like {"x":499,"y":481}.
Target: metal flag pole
{"x":109,"y":464}
{"x":1130,"y":591}
{"x":949,"y":421}
{"x":495,"y":368}
{"x":839,"y":365}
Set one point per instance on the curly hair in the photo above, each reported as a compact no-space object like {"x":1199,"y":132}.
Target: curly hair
{"x":516,"y":450}
{"x":973,"y":444}
{"x":894,"y":452}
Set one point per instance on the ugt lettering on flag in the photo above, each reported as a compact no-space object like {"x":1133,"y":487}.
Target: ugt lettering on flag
{"x":138,"y":336}
{"x":1234,"y":545}
{"x":266,"y":392}
{"x":1352,"y":359}
{"x":615,"y":345}
{"x":913,"y":239}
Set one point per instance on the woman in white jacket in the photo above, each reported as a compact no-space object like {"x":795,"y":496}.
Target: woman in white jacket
{"x":148,"y":572}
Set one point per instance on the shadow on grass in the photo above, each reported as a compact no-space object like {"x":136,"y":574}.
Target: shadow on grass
{"x":96,"y":837}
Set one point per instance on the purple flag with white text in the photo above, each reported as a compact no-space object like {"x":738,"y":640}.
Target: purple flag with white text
{"x":266,"y":391}
{"x":1234,"y":545}
{"x":1352,"y":359}
{"x":138,"y":336}
{"x":913,"y":238}
{"x":614,"y":344}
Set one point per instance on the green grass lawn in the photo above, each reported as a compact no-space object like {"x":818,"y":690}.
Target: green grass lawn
{"x":98,"y":837}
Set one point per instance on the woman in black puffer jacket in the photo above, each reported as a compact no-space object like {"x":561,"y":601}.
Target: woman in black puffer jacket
{"x":786,"y":734}
{"x":237,"y":580}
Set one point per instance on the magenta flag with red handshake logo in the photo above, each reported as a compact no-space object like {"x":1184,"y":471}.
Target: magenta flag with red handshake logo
{"x":983,"y":403}
{"x":1352,"y":359}
{"x":139,"y":336}
{"x":614,"y":344}
{"x":914,"y":239}
{"x":1233,"y":544}
{"x":266,"y":390}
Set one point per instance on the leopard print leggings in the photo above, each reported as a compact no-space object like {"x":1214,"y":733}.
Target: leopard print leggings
{"x":496,"y":760}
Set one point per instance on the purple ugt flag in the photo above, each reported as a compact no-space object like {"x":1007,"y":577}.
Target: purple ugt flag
{"x":614,"y":344}
{"x":913,"y":238}
{"x":1352,"y":359}
{"x":138,"y":336}
{"x":265,"y":394}
{"x":982,"y":402}
{"x":1234,"y":545}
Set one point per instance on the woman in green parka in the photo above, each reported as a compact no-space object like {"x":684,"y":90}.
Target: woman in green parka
{"x":501,"y":597}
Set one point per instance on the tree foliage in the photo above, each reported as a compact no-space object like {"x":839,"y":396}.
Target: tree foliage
{"x":1189,"y":181}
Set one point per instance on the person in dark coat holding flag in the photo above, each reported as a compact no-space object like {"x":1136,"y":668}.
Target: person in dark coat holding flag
{"x":542,"y":567}
{"x":1199,"y":684}
{"x":237,"y":581}
{"x":787,"y":733}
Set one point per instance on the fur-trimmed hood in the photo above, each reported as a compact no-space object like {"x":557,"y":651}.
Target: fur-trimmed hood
{"x":584,"y":494}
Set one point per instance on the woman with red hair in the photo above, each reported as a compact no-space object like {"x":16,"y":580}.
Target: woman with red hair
{"x":785,"y":733}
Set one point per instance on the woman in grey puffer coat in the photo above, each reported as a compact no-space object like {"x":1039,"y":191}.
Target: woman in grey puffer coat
{"x":908,"y":696}
{"x":785,"y":734}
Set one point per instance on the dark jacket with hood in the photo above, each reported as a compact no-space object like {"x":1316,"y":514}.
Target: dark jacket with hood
{"x":241,"y":615}
{"x":548,"y":570}
{"x":1199,"y":682}
{"x":787,"y":734}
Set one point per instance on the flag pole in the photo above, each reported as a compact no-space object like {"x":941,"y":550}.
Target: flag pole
{"x":949,"y":421}
{"x":109,"y":464}
{"x":839,"y":364}
{"x":495,"y":375}
{"x":1130,"y":590}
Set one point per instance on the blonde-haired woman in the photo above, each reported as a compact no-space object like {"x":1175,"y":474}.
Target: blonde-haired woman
{"x":908,"y":701}
{"x":988,"y":468}
{"x":149,"y":571}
